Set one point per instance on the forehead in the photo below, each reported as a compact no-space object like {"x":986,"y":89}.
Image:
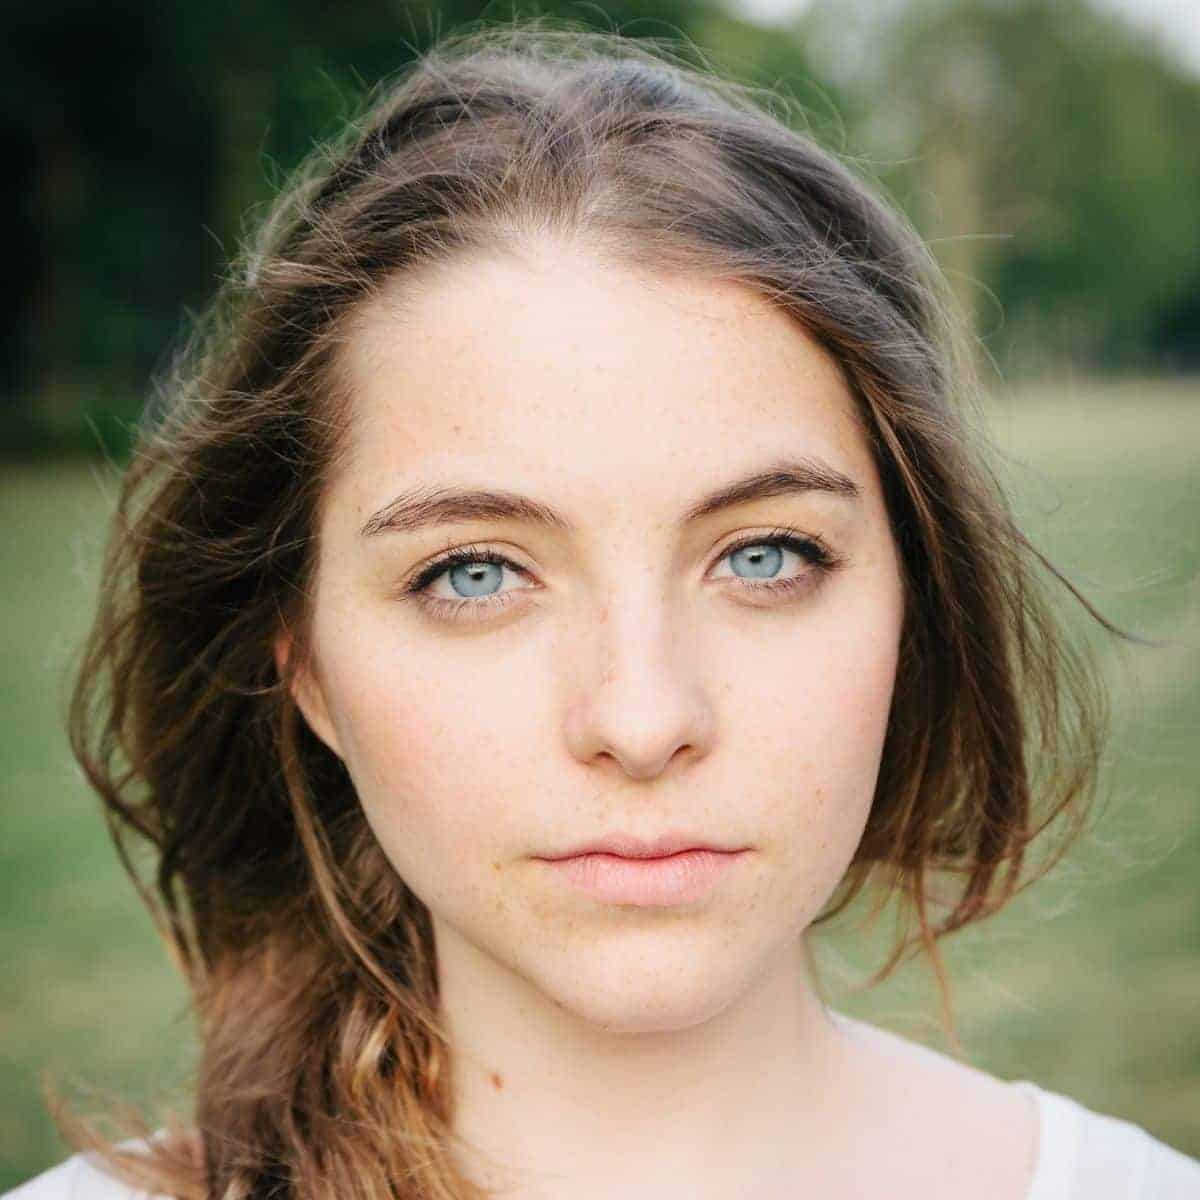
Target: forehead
{"x":561,"y":364}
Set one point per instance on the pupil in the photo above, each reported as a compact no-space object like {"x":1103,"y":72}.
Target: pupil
{"x":472,"y":575}
{"x":763,"y":560}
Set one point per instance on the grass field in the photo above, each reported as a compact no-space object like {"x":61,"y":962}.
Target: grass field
{"x":1088,"y":984}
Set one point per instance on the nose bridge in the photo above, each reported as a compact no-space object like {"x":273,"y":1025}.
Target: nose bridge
{"x":638,"y":627}
{"x":633,"y":678}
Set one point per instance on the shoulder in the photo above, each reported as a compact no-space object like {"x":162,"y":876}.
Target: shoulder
{"x":1017,"y":1139}
{"x":81,"y":1177}
{"x":925,"y":1107}
{"x":1091,"y":1154}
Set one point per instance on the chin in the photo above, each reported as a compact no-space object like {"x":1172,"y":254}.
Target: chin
{"x":647,"y":989}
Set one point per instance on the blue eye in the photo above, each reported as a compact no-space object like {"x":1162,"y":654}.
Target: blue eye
{"x":479,"y":573}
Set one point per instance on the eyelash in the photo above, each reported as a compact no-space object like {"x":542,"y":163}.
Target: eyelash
{"x":807,"y":546}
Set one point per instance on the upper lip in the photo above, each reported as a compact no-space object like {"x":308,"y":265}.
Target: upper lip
{"x":627,"y":846}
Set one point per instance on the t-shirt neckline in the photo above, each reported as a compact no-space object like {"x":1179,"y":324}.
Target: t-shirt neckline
{"x":1058,"y":1142}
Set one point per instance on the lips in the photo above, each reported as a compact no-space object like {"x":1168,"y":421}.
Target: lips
{"x":663,"y":881}
{"x":627,"y":846}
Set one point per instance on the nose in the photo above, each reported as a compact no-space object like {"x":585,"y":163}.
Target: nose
{"x":635,"y":688}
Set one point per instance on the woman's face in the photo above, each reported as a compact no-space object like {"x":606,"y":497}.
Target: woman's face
{"x":635,"y":666}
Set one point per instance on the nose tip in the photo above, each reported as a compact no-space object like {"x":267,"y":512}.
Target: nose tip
{"x":645,"y":765}
{"x":644,"y":711}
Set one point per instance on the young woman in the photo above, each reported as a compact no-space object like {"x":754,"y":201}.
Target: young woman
{"x":562,"y":576}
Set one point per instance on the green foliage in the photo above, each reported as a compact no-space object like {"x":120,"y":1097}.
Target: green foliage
{"x":1049,"y":149}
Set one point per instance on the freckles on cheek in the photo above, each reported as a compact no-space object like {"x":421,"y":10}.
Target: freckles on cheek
{"x":840,"y":684}
{"x":828,"y":732}
{"x":426,"y":776}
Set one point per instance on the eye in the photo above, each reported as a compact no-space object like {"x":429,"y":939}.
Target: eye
{"x":763,"y":557}
{"x":479,"y":572}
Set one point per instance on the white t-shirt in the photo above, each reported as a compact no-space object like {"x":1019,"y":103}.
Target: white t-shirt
{"x":1085,"y":1155}
{"x":1082,"y":1155}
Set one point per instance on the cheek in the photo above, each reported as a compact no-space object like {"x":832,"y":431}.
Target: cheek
{"x":819,"y":716}
{"x":820,"y":685}
{"x":846,"y":674}
{"x":428,"y":745}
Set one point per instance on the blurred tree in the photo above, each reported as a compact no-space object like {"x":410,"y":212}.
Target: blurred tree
{"x":1048,"y":149}
{"x":143,"y":136}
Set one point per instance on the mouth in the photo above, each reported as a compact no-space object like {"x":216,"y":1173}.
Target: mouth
{"x":624,"y":845}
{"x":658,"y":881}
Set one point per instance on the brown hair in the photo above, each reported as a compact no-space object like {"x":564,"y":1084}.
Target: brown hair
{"x":324,"y":1062}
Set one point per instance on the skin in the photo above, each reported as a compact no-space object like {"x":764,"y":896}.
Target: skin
{"x":634,"y":682}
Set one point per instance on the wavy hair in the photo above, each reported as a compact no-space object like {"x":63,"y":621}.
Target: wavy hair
{"x":323,"y":1069}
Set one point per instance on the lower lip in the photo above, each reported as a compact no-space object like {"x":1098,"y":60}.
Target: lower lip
{"x":655,"y":882}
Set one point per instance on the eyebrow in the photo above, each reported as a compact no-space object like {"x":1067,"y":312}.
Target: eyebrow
{"x":422,"y":507}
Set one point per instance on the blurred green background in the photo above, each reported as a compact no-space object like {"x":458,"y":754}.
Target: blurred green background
{"x":1047,"y":148}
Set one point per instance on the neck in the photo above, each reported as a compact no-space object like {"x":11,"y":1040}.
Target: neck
{"x":550,"y":1104}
